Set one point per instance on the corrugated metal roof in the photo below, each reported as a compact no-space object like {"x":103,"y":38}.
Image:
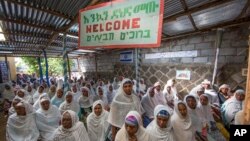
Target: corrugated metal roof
{"x":218,"y":14}
{"x":172,"y":7}
{"x":181,"y":25}
{"x":195,"y":3}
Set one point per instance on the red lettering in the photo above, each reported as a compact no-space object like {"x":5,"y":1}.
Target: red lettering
{"x":108,"y":26}
{"x":136,"y":22}
{"x":117,"y":25}
{"x":95,"y":26}
{"x":125,"y":24}
{"x":101,"y":28}
{"x":88,"y":28}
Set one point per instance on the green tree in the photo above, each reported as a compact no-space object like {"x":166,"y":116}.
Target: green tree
{"x":55,"y":65}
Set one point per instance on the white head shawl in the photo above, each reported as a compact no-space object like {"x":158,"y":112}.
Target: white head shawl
{"x":183,"y":128}
{"x":26,"y":96}
{"x":69,"y":106}
{"x":97,"y":125}
{"x":141,"y":134}
{"x":36,"y":105}
{"x":122,"y":104}
{"x":85,"y":102}
{"x":20,"y":128}
{"x":162,"y":134}
{"x":76,"y":133}
{"x":149,"y":103}
{"x":204,"y":111}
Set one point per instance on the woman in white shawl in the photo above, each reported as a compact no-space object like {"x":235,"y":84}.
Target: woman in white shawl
{"x":52,"y":91}
{"x":76,"y":93}
{"x":148,"y":103}
{"x":161,"y":126}
{"x":182,"y":123}
{"x":132,"y":130}
{"x":116,"y":83}
{"x":24,"y":95}
{"x":101,"y":96}
{"x":233,"y":105}
{"x":30,"y":90}
{"x":124,"y":101}
{"x":38,"y":93}
{"x":71,"y":128}
{"x":158,"y":94}
{"x":15,"y":101}
{"x":206,"y":117}
{"x":69,"y":104}
{"x":21,"y":125}
{"x":110,"y":93}
{"x":97,"y":122}
{"x":85,"y":101}
{"x":47,"y":119}
{"x":58,"y":98}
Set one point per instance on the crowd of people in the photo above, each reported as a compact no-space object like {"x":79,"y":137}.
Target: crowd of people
{"x":113,"y":111}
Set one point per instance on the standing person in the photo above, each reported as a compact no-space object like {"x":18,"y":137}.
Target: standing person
{"x":182,"y":123}
{"x":148,"y":103}
{"x":210,"y":91}
{"x":132,"y":130}
{"x":116,"y":83}
{"x":161,"y":126}
{"x":101,"y":96}
{"x":232,"y":106}
{"x":97,"y":122}
{"x":85,"y":101}
{"x":76,"y":93}
{"x":223,"y":93}
{"x":71,"y":128}
{"x":158,"y":94}
{"x":110,"y":94}
{"x":124,"y":101}
{"x":21,"y":125}
{"x":142,"y":86}
{"x":47,"y":119}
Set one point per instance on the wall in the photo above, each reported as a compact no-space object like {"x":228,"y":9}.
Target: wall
{"x":12,"y":66}
{"x":232,"y":58}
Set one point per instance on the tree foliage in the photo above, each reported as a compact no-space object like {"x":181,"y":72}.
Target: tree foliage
{"x":55,"y":65}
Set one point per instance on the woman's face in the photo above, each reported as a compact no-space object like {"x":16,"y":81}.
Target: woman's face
{"x":53,"y":89}
{"x":127,"y":88}
{"x":169,"y":88}
{"x":20,"y":94}
{"x":66,"y":121}
{"x":45,"y":105}
{"x":152,"y":93}
{"x":162,"y":121}
{"x":182,"y":109}
{"x":224,"y":90}
{"x":240,"y":97}
{"x":85,"y":93}
{"x":204,"y":100}
{"x":59,"y":93}
{"x":98,"y":110}
{"x":191,"y":102}
{"x":20,"y":110}
{"x":100,"y":91}
{"x":69,"y":98}
{"x":29,"y":89}
{"x":110,"y":88}
{"x":131,"y":130}
{"x":40,"y":90}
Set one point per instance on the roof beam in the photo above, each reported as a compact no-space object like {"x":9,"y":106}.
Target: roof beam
{"x":185,"y":7}
{"x":195,"y":9}
{"x":45,"y":36}
{"x":243,"y":10}
{"x":40,"y":9}
{"x":210,"y":28}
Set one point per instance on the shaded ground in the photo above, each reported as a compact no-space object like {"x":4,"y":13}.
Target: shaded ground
{"x":2,"y":127}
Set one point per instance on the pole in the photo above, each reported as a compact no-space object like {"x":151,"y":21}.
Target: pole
{"x":246,"y":109}
{"x":96,"y":67}
{"x":69,"y":67}
{"x":8,"y":67}
{"x":46,"y":67}
{"x":137,"y":69}
{"x":40,"y":69}
{"x":66,"y":84}
{"x":218,"y":44}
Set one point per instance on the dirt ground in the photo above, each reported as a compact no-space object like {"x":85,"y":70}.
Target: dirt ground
{"x":2,"y":127}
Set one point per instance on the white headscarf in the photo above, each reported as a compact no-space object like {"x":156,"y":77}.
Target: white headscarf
{"x":149,"y":103}
{"x":85,"y":102}
{"x":47,"y":120}
{"x":97,"y":125}
{"x":162,"y":134}
{"x":205,"y":111}
{"x":122,"y":104}
{"x":103,"y":97}
{"x":26,"y":96}
{"x":183,"y":128}
{"x":69,"y":106}
{"x":36,"y":105}
{"x":230,"y":107}
{"x":159,"y":95}
{"x":141,"y":134}
{"x":76,"y":133}
{"x":37,"y":94}
{"x":22,"y":128}
{"x":8,"y":94}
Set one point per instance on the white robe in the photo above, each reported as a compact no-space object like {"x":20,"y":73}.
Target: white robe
{"x":97,"y":125}
{"x":149,"y":103}
{"x":76,"y":133}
